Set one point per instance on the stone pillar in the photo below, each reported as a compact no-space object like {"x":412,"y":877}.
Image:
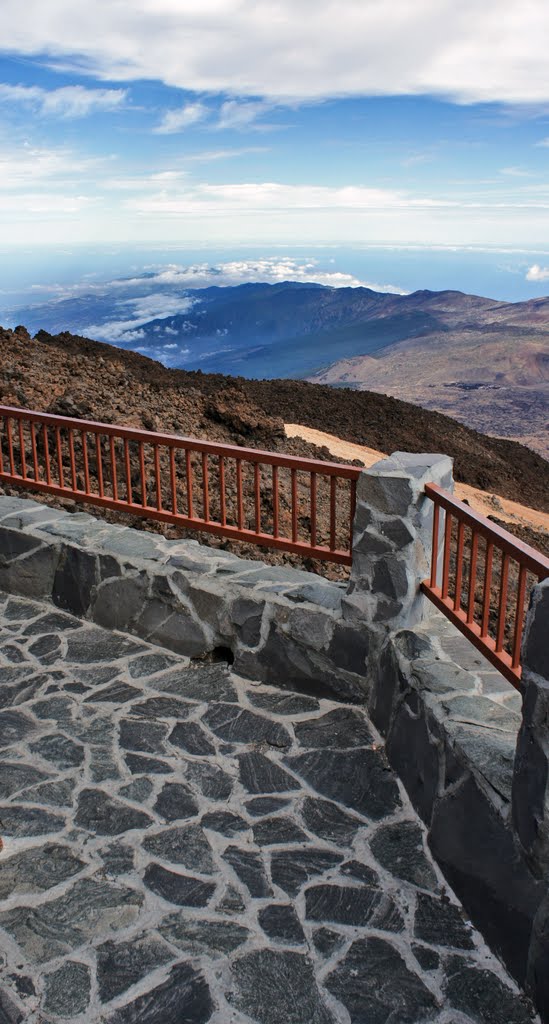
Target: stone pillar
{"x":530,"y":795}
{"x":531,"y":775}
{"x":392,"y":539}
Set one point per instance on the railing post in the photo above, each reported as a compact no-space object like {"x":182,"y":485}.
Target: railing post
{"x":530,"y":793}
{"x":392,"y":539}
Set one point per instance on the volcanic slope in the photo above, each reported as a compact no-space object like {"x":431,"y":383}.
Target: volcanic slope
{"x":75,"y":376}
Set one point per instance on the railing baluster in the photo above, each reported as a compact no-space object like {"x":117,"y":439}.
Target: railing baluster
{"x":434,"y":547}
{"x":313,"y":509}
{"x":59,"y":457}
{"x":459,"y":565}
{"x":205,"y":488}
{"x":46,"y":442}
{"x":222,"y":496}
{"x":114,"y":479}
{"x":239,"y":498}
{"x":353,"y":512}
{"x":519,"y":617}
{"x":22,"y":450}
{"x":157,"y":481}
{"x":142,"y":474}
{"x":276,"y":500}
{"x":502,"y":607}
{"x":333,"y":483}
{"x":189,"y":475}
{"x":173,"y":481}
{"x":257,"y":498}
{"x":488,"y":560}
{"x":86,"y":462}
{"x":10,"y":446}
{"x":127,"y":464}
{"x":99,"y":457}
{"x":1,"y":450}
{"x":294,"y":505}
{"x":72,"y":460}
{"x":36,"y":470}
{"x":472,"y":577}
{"x":447,"y":554}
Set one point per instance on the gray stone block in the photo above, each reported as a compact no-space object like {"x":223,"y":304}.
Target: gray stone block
{"x":477,"y":853}
{"x":75,"y":578}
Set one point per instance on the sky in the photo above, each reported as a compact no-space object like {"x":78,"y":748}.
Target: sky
{"x":276,"y":122}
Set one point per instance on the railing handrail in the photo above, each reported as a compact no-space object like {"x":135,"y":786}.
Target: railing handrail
{"x":343,"y":470}
{"x":533,"y":560}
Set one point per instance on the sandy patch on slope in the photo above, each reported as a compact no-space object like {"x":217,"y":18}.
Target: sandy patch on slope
{"x":481,"y":501}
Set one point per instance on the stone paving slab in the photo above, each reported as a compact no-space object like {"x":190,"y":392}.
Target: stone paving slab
{"x":183,"y":846}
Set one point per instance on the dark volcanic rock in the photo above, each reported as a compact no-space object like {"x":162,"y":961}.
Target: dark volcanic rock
{"x":185,"y":844}
{"x":18,"y":776}
{"x":260,"y":775}
{"x":68,"y":989}
{"x":281,"y":922}
{"x":341,"y":728}
{"x":184,"y":997}
{"x":191,"y":737}
{"x":212,"y":781}
{"x":184,"y":890}
{"x":56,"y":927}
{"x":399,"y":848}
{"x":440,"y":922}
{"x":38,"y":869}
{"x":143,"y":736}
{"x":278,"y":988}
{"x":328,"y":821}
{"x":359,"y":779}
{"x":290,"y":869}
{"x":272,"y":831}
{"x":325,"y":940}
{"x":196,"y":937}
{"x":121,"y":964}
{"x":175,"y":801}
{"x":162,"y":707}
{"x":261,"y":805}
{"x":225,"y":822}
{"x":106,"y":816}
{"x":249,"y":868}
{"x":14,"y":726}
{"x":236,"y":725}
{"x":205,"y":683}
{"x":283,"y":703}
{"x":29,"y":821}
{"x":375,"y":985}
{"x":61,"y":751}
{"x":147,"y":765}
{"x":116,"y":693}
{"x":483,"y":996}
{"x":344,"y":904}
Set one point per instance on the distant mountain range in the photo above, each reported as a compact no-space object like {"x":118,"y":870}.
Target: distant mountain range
{"x":482,"y":361}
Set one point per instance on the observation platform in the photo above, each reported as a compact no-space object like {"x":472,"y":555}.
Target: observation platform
{"x":181,"y":844}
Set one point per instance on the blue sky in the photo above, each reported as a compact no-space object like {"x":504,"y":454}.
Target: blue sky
{"x":263,"y":123}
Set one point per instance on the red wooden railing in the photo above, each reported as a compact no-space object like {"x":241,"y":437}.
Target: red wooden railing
{"x":484,"y":579}
{"x":305,"y":506}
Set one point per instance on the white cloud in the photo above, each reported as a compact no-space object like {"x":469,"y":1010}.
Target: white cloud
{"x":537,"y":273}
{"x":177,"y":120}
{"x":235,"y":115}
{"x":70,"y":101}
{"x":24,"y":165}
{"x":464,"y":51}
{"x":145,"y":308}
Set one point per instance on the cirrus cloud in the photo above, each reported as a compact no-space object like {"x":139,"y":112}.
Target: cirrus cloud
{"x":69,"y":101}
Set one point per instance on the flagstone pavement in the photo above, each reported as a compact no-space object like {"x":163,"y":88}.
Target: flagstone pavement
{"x":183,"y":846}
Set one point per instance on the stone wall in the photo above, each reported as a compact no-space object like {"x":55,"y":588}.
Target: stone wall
{"x":377,"y":642}
{"x":274,"y":624}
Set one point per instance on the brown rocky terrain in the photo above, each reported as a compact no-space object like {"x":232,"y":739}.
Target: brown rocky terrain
{"x":74,"y":376}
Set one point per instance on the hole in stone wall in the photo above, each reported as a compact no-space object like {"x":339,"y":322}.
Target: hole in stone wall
{"x":219,"y":655}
